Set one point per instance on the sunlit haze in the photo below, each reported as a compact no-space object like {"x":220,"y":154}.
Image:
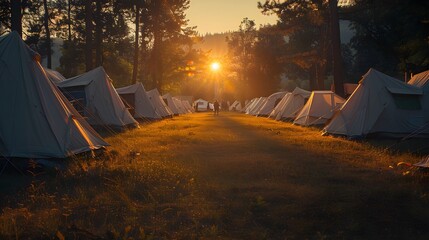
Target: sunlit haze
{"x":224,"y":15}
{"x":215,"y":66}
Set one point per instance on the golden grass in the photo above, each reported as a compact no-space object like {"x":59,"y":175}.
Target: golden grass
{"x":232,"y":177}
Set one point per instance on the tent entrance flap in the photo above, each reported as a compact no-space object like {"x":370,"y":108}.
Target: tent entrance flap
{"x":77,"y":97}
{"x":129,"y":100}
{"x":407,"y":101}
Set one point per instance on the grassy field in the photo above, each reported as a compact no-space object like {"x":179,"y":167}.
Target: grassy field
{"x":231,"y":176}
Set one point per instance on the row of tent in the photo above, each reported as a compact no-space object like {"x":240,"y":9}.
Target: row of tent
{"x":379,"y":105}
{"x":202,"y":105}
{"x":93,"y":92}
{"x":300,"y":106}
{"x":45,"y":115}
{"x":150,"y":104}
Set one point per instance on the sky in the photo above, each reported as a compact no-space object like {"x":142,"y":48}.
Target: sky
{"x":215,"y":16}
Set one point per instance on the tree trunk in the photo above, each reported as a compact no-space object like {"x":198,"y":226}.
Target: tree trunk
{"x":314,"y":72}
{"x":16,"y":16}
{"x":136,"y":45}
{"x":143,"y":74}
{"x":245,"y":76}
{"x":88,"y":35}
{"x":336,"y":49}
{"x":157,"y":60}
{"x":48,"y":35}
{"x":143,"y":71}
{"x":321,"y":73}
{"x":69,"y":21}
{"x":157,"y":51}
{"x":323,"y":57}
{"x":98,"y":35}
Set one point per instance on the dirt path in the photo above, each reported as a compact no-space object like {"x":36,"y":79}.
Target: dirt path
{"x":260,"y":184}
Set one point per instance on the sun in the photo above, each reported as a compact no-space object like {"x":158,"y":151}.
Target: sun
{"x":215,"y":66}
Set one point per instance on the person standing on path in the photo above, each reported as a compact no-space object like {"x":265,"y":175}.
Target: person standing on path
{"x":216,"y":107}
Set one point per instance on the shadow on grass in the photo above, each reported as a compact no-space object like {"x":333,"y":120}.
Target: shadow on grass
{"x":415,"y":146}
{"x":264,"y":187}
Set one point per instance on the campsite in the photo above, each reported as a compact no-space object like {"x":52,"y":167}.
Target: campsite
{"x":174,"y":179}
{"x":195,"y":119}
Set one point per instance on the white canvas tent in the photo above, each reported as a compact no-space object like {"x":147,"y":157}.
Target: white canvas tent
{"x":36,"y":120}
{"x":319,"y":108}
{"x":168,"y":99}
{"x":424,"y":163}
{"x":252,"y":104}
{"x":271,"y":102}
{"x":290,"y":105}
{"x":188,"y":99}
{"x":93,"y":93}
{"x":248,"y":105}
{"x":380,"y":105}
{"x":135,"y":96}
{"x":253,"y":110}
{"x":54,"y":76}
{"x":420,"y":80}
{"x":202,"y":105}
{"x":279,"y":106}
{"x":235,"y":106}
{"x":179,"y":106}
{"x":162,"y":109}
{"x":187,"y":106}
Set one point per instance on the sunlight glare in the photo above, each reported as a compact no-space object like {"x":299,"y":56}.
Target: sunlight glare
{"x":215,"y":66}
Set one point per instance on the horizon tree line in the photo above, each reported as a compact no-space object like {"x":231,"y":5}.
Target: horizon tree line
{"x":150,"y":41}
